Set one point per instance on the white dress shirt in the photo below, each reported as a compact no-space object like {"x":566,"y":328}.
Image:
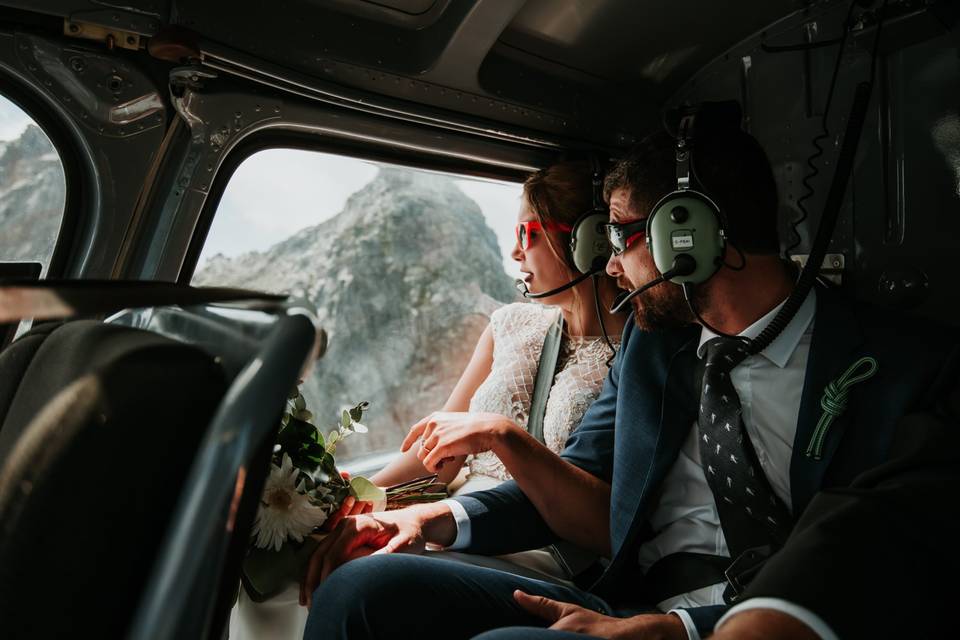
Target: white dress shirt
{"x":770,"y":385}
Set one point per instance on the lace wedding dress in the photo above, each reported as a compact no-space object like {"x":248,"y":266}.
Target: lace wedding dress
{"x":518,"y":333}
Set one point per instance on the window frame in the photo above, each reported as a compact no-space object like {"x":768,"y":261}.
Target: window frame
{"x":287,"y":139}
{"x":58,"y":132}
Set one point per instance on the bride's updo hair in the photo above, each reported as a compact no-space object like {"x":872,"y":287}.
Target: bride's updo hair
{"x":561,"y":193}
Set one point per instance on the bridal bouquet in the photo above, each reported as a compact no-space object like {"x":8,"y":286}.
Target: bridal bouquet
{"x":304,"y":488}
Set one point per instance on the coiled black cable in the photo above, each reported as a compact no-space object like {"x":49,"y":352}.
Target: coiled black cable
{"x":813,"y":170}
{"x":831,"y":210}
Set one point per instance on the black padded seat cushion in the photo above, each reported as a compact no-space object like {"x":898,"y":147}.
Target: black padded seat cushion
{"x":110,"y":419}
{"x":14,"y":361}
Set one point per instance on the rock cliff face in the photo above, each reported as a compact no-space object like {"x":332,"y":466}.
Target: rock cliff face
{"x":32,"y":192}
{"x":404,"y":279}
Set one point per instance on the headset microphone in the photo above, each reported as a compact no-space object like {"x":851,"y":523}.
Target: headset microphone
{"x":683,"y":265}
{"x":522,"y":287}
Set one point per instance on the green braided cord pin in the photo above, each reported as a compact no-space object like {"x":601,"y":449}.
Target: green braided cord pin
{"x":834,"y":401}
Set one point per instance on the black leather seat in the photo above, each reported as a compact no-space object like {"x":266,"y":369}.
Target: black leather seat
{"x":14,"y":361}
{"x":95,"y":443}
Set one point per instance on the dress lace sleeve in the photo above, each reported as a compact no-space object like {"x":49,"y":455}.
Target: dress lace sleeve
{"x":518,"y":333}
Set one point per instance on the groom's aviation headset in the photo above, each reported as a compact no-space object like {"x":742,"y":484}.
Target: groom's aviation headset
{"x":686,"y":230}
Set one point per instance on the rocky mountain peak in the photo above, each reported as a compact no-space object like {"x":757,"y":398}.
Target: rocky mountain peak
{"x":32,"y":195}
{"x":404,"y":279}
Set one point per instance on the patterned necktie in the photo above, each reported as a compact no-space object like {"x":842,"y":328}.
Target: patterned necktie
{"x":751,"y":514}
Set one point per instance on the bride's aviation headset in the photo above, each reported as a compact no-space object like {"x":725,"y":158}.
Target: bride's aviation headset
{"x":588,"y":249}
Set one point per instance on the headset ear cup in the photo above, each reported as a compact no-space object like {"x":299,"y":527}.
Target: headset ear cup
{"x":686,"y":222}
{"x":589,"y":247}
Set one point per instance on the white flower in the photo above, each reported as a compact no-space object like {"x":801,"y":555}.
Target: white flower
{"x":284,"y":512}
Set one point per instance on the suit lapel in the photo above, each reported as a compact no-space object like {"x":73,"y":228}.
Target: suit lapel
{"x":836,"y":339}
{"x":645,"y":455}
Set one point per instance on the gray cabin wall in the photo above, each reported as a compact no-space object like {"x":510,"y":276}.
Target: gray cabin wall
{"x":900,"y":222}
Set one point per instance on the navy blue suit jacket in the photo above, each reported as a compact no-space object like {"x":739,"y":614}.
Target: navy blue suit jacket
{"x":632,"y":434}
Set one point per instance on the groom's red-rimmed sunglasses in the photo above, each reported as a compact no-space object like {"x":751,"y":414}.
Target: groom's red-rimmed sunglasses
{"x":622,"y":235}
{"x":525,"y":231}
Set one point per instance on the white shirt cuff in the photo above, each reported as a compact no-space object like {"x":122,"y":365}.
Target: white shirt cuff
{"x":691,"y":628}
{"x":462,"y":541}
{"x":807,"y":617}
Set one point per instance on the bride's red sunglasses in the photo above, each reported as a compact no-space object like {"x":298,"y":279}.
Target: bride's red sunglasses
{"x":525,"y":231}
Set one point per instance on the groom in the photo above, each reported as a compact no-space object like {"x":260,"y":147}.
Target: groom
{"x":702,"y":459}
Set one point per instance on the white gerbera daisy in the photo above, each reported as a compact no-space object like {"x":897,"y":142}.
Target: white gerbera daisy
{"x":284,"y":512}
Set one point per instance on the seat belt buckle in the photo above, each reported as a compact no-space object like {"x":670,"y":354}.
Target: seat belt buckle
{"x":742,"y":571}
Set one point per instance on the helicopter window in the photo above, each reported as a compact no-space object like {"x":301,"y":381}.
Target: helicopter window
{"x":403,"y":265}
{"x":32,"y":189}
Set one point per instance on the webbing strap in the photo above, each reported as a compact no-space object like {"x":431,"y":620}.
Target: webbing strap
{"x":683,"y":572}
{"x":544,"y":379}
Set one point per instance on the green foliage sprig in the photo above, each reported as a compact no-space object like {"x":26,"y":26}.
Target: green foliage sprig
{"x":313,"y":455}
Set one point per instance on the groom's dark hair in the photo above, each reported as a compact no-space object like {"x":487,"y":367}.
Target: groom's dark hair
{"x":730,"y":166}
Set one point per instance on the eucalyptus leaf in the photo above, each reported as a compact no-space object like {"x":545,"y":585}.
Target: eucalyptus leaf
{"x":345,"y":419}
{"x":365,"y":490}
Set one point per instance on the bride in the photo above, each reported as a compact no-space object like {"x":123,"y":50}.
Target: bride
{"x":483,"y":425}
{"x":488,"y":409}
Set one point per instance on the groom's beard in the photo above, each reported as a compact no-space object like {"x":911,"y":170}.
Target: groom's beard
{"x":664,"y":307}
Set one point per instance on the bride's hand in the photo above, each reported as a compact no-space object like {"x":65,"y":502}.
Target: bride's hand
{"x":450,"y":435}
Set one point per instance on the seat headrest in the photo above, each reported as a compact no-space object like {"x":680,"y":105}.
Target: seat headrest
{"x":88,"y":488}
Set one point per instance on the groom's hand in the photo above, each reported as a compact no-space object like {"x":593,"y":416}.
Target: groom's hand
{"x":564,"y":616}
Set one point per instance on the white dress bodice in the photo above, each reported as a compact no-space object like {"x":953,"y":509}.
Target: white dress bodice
{"x":518,"y":333}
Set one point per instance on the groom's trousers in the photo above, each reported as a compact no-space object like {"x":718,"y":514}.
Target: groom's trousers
{"x":408,"y":596}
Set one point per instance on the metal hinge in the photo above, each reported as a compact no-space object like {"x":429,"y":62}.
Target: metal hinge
{"x":113,"y":38}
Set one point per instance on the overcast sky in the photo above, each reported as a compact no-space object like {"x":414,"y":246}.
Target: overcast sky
{"x":12,"y":120}
{"x":277,"y":192}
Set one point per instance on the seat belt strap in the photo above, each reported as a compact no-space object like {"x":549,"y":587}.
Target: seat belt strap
{"x":683,"y":572}
{"x":543,"y":381}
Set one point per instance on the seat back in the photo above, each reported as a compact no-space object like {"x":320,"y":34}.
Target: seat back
{"x":101,"y":434}
{"x":14,"y":361}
